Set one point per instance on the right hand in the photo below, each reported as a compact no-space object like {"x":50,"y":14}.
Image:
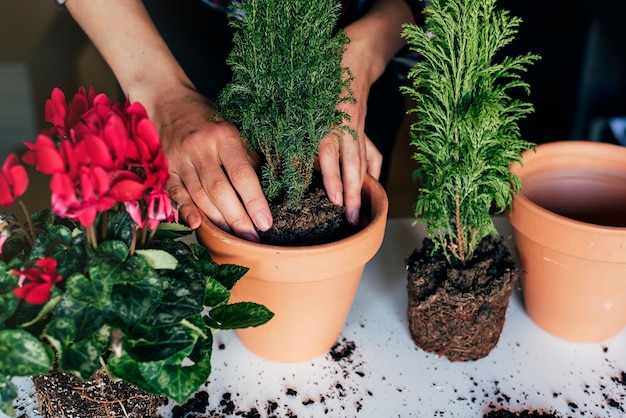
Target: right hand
{"x":210,"y":169}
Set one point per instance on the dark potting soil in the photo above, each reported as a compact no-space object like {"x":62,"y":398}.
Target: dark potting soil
{"x":62,"y":394}
{"x":458,"y":311}
{"x":319,"y":221}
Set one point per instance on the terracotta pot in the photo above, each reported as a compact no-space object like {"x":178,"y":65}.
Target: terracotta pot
{"x":569,"y":226}
{"x":309,"y":289}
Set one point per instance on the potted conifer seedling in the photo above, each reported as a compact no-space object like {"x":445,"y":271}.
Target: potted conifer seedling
{"x":466,"y":136}
{"x":286,"y":95}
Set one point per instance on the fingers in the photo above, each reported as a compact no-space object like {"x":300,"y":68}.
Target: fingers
{"x":212,"y":175}
{"x":329,"y":166}
{"x":374,"y":159}
{"x":343,"y":164}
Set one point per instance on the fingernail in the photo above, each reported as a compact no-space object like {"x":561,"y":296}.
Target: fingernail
{"x":353,"y":217}
{"x":193,"y":221}
{"x":250,"y":236}
{"x":338,"y":199}
{"x":262,"y":222}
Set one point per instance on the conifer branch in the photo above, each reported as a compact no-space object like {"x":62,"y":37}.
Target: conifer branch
{"x":466,"y":133}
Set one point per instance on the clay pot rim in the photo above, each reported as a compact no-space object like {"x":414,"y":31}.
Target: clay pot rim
{"x":586,"y":148}
{"x":380,"y":215}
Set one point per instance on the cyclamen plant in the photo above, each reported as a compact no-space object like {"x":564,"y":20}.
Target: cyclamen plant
{"x":101,"y":279}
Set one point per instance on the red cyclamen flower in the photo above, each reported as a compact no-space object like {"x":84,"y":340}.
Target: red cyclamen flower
{"x":13,"y":180}
{"x":98,"y":153}
{"x":39,"y":281}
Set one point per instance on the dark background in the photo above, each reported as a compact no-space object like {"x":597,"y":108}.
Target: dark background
{"x":580,"y":80}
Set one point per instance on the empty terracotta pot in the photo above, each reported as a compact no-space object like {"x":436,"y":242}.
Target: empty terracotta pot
{"x":309,"y":289}
{"x":569,"y":224}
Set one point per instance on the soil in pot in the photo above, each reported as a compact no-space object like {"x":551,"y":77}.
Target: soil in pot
{"x":61,"y":394}
{"x":319,"y":222}
{"x":459,"y":312}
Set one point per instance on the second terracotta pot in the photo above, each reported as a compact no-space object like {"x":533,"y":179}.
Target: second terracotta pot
{"x":569,"y":226}
{"x":309,"y":289}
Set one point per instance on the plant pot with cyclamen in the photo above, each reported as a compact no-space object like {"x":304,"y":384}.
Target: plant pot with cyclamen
{"x":569,"y":223}
{"x":285,"y":98}
{"x":100,"y":303}
{"x":466,"y":136}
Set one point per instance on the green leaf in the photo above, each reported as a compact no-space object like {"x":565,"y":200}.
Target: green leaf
{"x":51,"y":241}
{"x":87,"y":318}
{"x":82,"y":358}
{"x":120,"y":226}
{"x":173,"y":343}
{"x":238,"y":315}
{"x":134,"y":302}
{"x":215,"y":293}
{"x":180,"y":300}
{"x":112,"y":250}
{"x":172,"y":230}
{"x":115,"y":270}
{"x":22,"y":354}
{"x":8,"y":280}
{"x":93,"y":292}
{"x":47,"y":308}
{"x":175,"y":381}
{"x":127,"y":368}
{"x":8,"y":305}
{"x":229,"y":274}
{"x":61,"y":332}
{"x":159,"y":259}
{"x":8,"y":394}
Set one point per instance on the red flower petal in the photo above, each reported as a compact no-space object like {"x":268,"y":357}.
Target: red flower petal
{"x":127,"y":190}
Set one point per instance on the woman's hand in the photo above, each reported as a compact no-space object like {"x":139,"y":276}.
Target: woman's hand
{"x":374,"y":39}
{"x":211,"y":171}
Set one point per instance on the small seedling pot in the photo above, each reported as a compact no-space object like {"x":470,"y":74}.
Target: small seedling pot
{"x":569,"y":224}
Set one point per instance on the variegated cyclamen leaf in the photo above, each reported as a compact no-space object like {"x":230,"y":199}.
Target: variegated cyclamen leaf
{"x":180,"y":300}
{"x":127,"y":368}
{"x":238,"y":315}
{"x":82,"y":358}
{"x":176,"y":382}
{"x":95,"y":292}
{"x":229,"y":274}
{"x":215,"y":292}
{"x":172,"y":344}
{"x":159,"y":259}
{"x":8,"y":304}
{"x":134,"y":302}
{"x":61,"y":332}
{"x":22,"y":354}
{"x":8,"y":393}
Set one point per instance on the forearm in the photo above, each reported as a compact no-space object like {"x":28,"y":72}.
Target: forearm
{"x":124,"y":34}
{"x":376,"y":36}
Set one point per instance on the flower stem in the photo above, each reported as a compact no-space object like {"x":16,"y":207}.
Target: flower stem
{"x":31,"y":229}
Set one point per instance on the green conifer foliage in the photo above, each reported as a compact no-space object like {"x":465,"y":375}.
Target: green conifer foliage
{"x":287,"y":85}
{"x":466,"y":132}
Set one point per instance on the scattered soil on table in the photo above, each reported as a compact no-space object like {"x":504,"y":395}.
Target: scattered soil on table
{"x":343,"y":360}
{"x":319,"y":221}
{"x":64,"y":395}
{"x":501,"y":413}
{"x":459,"y":311}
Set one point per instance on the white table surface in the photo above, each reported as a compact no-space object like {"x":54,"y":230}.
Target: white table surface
{"x":387,"y":376}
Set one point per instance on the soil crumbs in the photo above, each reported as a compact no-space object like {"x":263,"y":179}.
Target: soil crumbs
{"x":342,"y":360}
{"x":522,"y":414}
